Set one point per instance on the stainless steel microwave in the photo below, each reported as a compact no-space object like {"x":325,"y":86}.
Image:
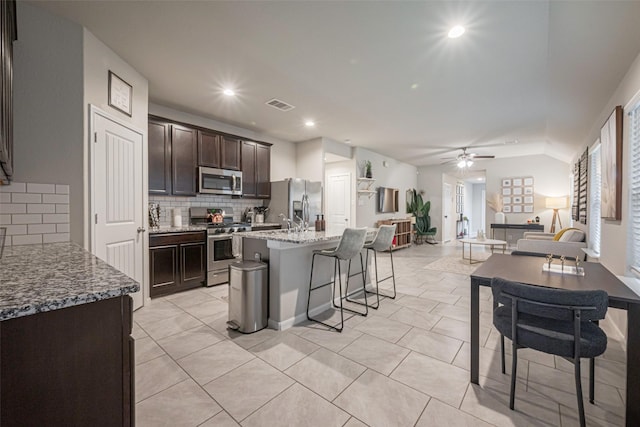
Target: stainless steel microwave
{"x":219,"y":181}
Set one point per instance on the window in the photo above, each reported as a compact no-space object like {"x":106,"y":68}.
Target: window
{"x":595,"y":183}
{"x":634,"y":190}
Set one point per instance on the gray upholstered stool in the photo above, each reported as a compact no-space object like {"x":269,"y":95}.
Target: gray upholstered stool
{"x":382,"y":242}
{"x":350,"y":246}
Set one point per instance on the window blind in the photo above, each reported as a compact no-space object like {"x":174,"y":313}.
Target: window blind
{"x":634,"y":191}
{"x":595,"y":183}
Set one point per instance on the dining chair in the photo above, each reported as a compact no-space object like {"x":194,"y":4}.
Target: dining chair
{"x":553,"y":321}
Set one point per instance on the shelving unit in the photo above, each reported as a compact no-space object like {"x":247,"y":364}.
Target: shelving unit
{"x":364,"y":187}
{"x":403,"y":234}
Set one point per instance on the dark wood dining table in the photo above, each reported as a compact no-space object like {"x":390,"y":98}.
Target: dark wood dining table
{"x":528,"y":269}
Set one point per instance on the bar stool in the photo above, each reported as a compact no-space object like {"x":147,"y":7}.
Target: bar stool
{"x":350,"y":245}
{"x":382,"y":242}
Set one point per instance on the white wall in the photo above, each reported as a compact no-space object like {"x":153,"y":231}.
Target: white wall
{"x":98,"y":60}
{"x":283,"y":154}
{"x":310,"y":160}
{"x":396,"y":175}
{"x":613,"y":249}
{"x":477,"y":207}
{"x":551,"y":178}
{"x":48,"y":106}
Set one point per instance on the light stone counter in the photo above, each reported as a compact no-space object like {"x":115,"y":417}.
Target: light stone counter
{"x":38,"y":278}
{"x":183,"y":229}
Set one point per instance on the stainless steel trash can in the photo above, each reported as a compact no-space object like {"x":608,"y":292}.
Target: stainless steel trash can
{"x":248,"y":296}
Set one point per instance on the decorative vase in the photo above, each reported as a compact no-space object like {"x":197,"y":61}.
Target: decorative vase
{"x":499,"y":218}
{"x":369,"y":174}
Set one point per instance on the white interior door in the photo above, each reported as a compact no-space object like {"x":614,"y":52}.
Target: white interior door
{"x":338,"y":201}
{"x":446,"y":212}
{"x":117,"y":197}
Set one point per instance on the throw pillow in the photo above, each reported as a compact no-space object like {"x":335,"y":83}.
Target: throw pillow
{"x":561,"y":232}
{"x":573,"y":236}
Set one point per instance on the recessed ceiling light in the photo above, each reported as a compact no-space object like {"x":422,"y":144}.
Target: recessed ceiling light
{"x":229,"y":92}
{"x":309,"y":123}
{"x":414,"y":86}
{"x":456,"y":32}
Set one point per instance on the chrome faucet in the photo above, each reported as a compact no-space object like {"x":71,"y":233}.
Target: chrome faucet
{"x":286,"y":220}
{"x":302,"y":225}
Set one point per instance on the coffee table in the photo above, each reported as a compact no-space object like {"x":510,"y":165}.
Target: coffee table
{"x":485,"y":242}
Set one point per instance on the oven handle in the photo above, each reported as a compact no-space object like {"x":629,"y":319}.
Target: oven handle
{"x":220,"y":237}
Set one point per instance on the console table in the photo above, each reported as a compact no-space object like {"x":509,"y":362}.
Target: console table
{"x":522,"y":227}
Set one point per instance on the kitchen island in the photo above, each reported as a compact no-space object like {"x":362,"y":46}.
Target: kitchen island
{"x":66,"y":354}
{"x":289,"y":256}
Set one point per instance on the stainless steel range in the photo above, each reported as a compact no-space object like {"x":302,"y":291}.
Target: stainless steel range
{"x":220,"y":247}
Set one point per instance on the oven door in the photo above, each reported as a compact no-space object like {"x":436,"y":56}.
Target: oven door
{"x":219,"y":181}
{"x":220,"y":253}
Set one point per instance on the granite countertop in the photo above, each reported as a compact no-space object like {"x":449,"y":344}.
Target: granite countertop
{"x":265,"y":224}
{"x":183,"y":229}
{"x":38,"y":278}
{"x":302,"y":237}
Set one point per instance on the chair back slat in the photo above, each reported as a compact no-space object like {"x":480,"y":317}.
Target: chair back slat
{"x":558,"y":304}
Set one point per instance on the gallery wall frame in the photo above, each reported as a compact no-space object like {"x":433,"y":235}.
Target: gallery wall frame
{"x":611,"y":152}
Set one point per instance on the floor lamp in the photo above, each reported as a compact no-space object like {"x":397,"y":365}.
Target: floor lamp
{"x":555,"y":203}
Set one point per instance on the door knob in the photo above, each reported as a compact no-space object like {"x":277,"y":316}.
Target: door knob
{"x":141,"y":230}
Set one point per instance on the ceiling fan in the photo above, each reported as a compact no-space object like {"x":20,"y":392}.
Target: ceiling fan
{"x":465,"y":160}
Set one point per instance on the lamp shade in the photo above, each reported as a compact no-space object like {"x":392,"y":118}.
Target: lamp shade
{"x":555,"y":202}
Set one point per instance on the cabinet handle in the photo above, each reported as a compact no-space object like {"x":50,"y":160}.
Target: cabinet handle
{"x":141,"y":229}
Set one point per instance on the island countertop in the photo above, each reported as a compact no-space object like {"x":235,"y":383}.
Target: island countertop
{"x":301,"y":237}
{"x":46,"y":277}
{"x":183,"y":229}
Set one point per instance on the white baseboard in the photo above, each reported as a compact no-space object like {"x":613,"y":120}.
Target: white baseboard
{"x":288,"y":323}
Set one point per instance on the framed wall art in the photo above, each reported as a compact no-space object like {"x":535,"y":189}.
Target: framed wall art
{"x":611,"y":152}
{"x":517,"y":194}
{"x":120,"y":94}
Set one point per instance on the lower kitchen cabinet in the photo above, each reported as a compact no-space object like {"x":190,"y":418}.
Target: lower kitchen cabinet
{"x":69,"y":367}
{"x":177,"y":262}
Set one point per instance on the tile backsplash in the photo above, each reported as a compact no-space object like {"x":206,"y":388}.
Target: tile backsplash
{"x":168,"y":203}
{"x":34,"y":213}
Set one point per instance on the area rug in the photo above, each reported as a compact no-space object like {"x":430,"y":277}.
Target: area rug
{"x":456,"y":264}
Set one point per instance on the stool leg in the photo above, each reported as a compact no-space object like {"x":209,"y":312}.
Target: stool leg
{"x":592,"y":375}
{"x":340,"y":296}
{"x":347,"y":295}
{"x":313,"y":259}
{"x":333,"y":283}
{"x":364,"y":288}
{"x":375,"y":259}
{"x":393,"y":274}
{"x":377,"y":292}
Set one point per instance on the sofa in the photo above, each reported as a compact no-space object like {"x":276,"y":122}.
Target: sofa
{"x":568,"y":242}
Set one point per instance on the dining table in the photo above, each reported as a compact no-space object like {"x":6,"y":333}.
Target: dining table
{"x":529,"y":270}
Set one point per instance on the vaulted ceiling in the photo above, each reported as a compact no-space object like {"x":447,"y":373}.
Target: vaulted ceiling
{"x":383,"y":75}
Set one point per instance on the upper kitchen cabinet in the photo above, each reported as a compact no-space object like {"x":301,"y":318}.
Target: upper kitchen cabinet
{"x":159,"y":157}
{"x":184,"y":159}
{"x":218,"y":151}
{"x":173,"y":158}
{"x":256,"y":170}
{"x":8,"y":34}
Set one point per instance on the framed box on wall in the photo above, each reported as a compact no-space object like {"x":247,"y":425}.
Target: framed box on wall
{"x":120,"y":94}
{"x":611,"y":152}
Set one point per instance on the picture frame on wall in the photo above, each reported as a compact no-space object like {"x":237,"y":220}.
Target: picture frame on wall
{"x":611,"y":158}
{"x":506,"y":200}
{"x":528,"y":190}
{"x":528,"y":208}
{"x":506,"y":182}
{"x":528,"y":200}
{"x":517,"y":191}
{"x":506,"y":209}
{"x":528,"y":182}
{"x":517,"y":182}
{"x":506,"y":191}
{"x":517,"y":208}
{"x":517,"y":200}
{"x":120,"y":94}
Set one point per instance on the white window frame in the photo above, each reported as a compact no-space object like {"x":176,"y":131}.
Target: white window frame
{"x":633,"y":228}
{"x":595,"y":190}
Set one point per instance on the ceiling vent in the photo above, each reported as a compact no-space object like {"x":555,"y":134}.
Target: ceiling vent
{"x":279,"y":105}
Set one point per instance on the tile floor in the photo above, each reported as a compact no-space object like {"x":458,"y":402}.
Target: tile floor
{"x":406,"y":364}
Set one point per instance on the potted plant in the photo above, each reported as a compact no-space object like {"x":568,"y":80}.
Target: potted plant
{"x":367,"y":169}
{"x":420,"y":209}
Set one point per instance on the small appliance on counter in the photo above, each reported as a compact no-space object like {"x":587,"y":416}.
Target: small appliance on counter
{"x":261,"y":212}
{"x":154,"y":215}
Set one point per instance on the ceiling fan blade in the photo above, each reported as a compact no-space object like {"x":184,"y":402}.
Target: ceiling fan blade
{"x":483,"y":157}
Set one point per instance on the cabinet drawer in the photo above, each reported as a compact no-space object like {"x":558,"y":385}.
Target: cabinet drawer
{"x":177,"y":238}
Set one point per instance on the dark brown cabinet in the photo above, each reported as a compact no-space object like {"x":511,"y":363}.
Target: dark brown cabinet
{"x":218,"y":151}
{"x":159,"y":157}
{"x":8,"y":34}
{"x":177,"y":262}
{"x":183,"y":160}
{"x":69,"y":367}
{"x":173,"y":158}
{"x":256,"y":170}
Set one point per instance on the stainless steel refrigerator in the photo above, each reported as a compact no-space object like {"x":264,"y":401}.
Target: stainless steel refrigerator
{"x":286,"y":198}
